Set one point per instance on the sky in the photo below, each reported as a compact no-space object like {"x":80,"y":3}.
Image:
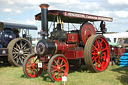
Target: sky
{"x":24,"y":11}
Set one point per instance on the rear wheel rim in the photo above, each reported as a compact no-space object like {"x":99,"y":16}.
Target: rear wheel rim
{"x":100,"y":52}
{"x":31,"y":67}
{"x":59,"y":68}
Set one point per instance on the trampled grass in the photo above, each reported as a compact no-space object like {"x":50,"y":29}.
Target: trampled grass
{"x":114,"y":75}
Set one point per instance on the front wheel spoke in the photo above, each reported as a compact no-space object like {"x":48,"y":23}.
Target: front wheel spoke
{"x":36,"y":60}
{"x":17,"y":60}
{"x":28,"y":65}
{"x":58,"y":75}
{"x":54,"y":73}
{"x":61,"y":62}
{"x":54,"y":70}
{"x":58,"y":60}
{"x":37,"y":69}
{"x":34,"y":72}
{"x":21,"y":60}
{"x":23,"y":45}
{"x":61,"y":74}
{"x":16,"y":49}
{"x":53,"y":66}
{"x":63,"y":66}
{"x":24,"y":48}
{"x":55,"y":62}
{"x":33,"y":59}
{"x":14,"y":52}
{"x":63,"y":70}
{"x":31,"y":72}
{"x":27,"y":49}
{"x":23,"y":57}
{"x":18,"y":46}
{"x":28,"y":69}
{"x":15,"y":56}
{"x":30,"y":61}
{"x":25,"y":54}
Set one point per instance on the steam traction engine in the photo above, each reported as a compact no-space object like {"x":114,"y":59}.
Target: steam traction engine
{"x":64,"y":49}
{"x":13,"y":47}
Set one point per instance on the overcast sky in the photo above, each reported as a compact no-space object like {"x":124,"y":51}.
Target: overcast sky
{"x":23,"y":11}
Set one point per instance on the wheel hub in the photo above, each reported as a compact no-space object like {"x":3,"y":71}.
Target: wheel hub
{"x":33,"y":65}
{"x":58,"y":67}
{"x":21,"y":52}
{"x":99,"y":53}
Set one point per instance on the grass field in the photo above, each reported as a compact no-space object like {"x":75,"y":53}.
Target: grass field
{"x":114,"y":75}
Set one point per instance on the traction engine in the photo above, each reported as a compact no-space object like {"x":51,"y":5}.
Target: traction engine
{"x":63,"y":50}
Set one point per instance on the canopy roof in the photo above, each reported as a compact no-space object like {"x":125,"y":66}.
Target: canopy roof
{"x":16,"y":26}
{"x":73,"y":17}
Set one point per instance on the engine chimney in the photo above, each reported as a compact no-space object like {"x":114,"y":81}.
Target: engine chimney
{"x":44,"y":20}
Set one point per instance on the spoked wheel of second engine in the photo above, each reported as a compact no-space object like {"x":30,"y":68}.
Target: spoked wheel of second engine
{"x":30,"y":66}
{"x":97,"y":53}
{"x":18,"y":49}
{"x":58,"y":67}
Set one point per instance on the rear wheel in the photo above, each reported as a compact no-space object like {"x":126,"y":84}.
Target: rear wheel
{"x":30,"y":66}
{"x":97,"y":53}
{"x":58,"y":67}
{"x":18,"y":49}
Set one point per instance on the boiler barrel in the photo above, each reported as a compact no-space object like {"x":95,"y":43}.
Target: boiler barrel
{"x":47,"y":47}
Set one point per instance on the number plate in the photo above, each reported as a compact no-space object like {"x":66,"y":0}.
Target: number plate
{"x":64,"y":78}
{"x":39,"y":65}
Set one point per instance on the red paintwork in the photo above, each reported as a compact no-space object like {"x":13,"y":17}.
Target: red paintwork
{"x":59,"y":67}
{"x":32,"y":66}
{"x":118,"y":51}
{"x":121,"y":51}
{"x":73,"y":47}
{"x":70,"y":54}
{"x":76,"y":15}
{"x":100,"y":54}
{"x":72,"y":38}
{"x":86,"y":31}
{"x":79,"y":53}
{"x":63,"y":47}
{"x":86,"y":16}
{"x":74,"y":53}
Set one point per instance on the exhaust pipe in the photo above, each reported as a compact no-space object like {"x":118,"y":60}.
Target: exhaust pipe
{"x":44,"y":20}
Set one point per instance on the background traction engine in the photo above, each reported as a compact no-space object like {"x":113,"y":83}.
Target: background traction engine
{"x":64,"y":49}
{"x":13,"y":47}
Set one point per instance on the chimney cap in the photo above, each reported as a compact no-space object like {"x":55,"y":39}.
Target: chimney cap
{"x":44,"y":6}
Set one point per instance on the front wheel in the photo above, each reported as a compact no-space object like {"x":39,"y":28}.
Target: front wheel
{"x":30,"y":66}
{"x":97,"y":53}
{"x":58,"y":67}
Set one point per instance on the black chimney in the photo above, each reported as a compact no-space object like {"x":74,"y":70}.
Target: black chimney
{"x":44,"y":20}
